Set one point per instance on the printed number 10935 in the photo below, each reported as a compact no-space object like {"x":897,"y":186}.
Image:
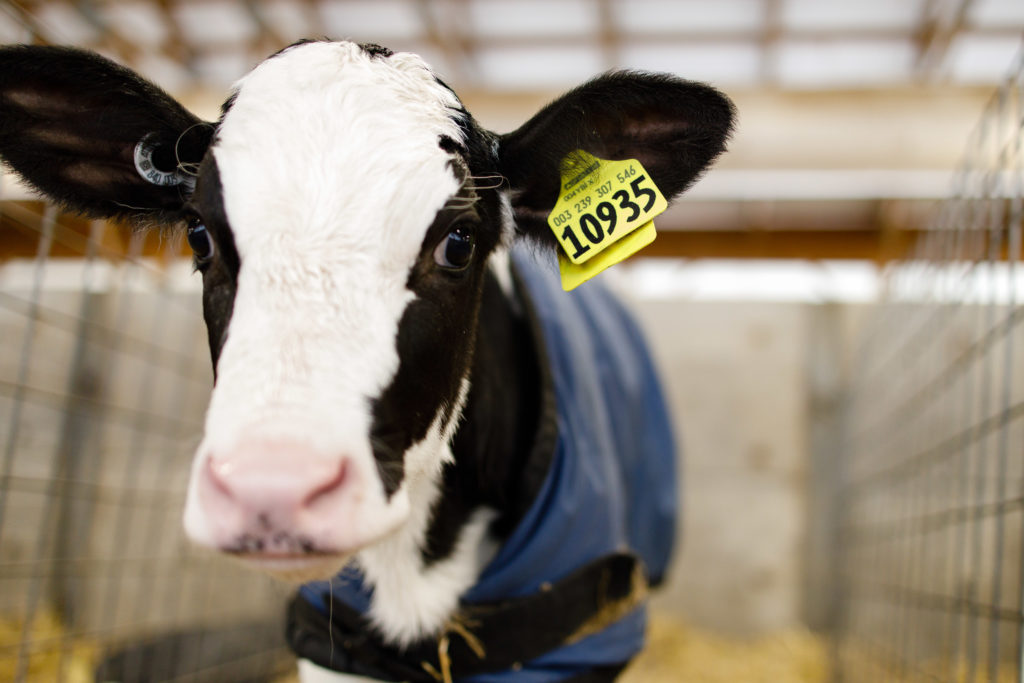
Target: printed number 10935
{"x":600,"y":223}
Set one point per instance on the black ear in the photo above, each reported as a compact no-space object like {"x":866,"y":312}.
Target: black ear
{"x":94,"y":136}
{"x":675,"y":128}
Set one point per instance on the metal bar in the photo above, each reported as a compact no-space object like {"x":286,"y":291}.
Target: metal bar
{"x":116,"y":339}
{"x":72,"y":516}
{"x":71,"y":428}
{"x":112,"y":601}
{"x":1002,"y":446}
{"x":19,"y":388}
{"x":171,"y":425}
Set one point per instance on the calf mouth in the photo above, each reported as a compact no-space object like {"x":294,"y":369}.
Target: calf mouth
{"x":294,"y":567}
{"x":286,"y":556}
{"x":274,"y":543}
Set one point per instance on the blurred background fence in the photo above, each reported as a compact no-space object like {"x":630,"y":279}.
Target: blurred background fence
{"x":104,"y":378}
{"x":931,"y":468}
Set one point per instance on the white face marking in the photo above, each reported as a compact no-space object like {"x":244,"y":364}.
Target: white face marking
{"x":331,"y":174}
{"x":412,"y":599}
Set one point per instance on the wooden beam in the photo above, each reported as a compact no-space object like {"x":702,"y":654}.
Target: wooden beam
{"x":269,"y":39}
{"x":109,"y":40}
{"x":608,"y":36}
{"x":24,"y":14}
{"x":444,"y":25}
{"x":20,"y":223}
{"x":770,"y":36}
{"x":754,"y":36}
{"x":178,"y":47}
{"x":940,"y":24}
{"x":20,"y":227}
{"x":869,"y":245}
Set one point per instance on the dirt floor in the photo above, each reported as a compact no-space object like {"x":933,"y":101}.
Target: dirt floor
{"x":676,"y":653}
{"x":53,"y":655}
{"x":681,"y":654}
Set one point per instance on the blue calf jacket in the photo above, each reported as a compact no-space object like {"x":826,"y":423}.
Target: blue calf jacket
{"x":611,"y":485}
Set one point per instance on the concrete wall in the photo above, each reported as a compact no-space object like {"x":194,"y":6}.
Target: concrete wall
{"x":735,"y":377}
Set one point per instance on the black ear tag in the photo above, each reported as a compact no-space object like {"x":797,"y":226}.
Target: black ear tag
{"x":158,"y":163}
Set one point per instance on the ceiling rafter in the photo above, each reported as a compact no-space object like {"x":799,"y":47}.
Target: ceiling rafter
{"x":941,"y":22}
{"x":109,"y":39}
{"x":608,"y":37}
{"x":447,"y":27}
{"x":311,"y":15}
{"x":269,"y":38}
{"x":446,"y":31}
{"x":20,"y":225}
{"x":771,"y":34}
{"x":765,"y":39}
{"x":23,"y":12}
{"x":178,"y":48}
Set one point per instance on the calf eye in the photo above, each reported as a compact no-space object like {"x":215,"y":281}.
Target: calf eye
{"x":200,"y":240}
{"x":455,"y":251}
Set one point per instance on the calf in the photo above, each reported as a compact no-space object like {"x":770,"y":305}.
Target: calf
{"x":402,"y":392}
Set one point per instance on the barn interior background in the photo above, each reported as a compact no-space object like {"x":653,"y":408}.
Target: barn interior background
{"x":837,"y":315}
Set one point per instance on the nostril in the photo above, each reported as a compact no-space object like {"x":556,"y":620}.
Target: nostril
{"x":328,"y":486}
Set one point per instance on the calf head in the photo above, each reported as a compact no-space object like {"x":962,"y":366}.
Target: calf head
{"x":342,"y":212}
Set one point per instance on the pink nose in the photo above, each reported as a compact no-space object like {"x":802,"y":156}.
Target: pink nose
{"x":264,"y":495}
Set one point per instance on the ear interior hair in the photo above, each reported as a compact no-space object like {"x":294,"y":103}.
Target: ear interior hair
{"x":71,"y":122}
{"x":675,"y":128}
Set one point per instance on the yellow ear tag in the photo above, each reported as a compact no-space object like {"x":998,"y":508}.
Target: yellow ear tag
{"x":603,"y":214}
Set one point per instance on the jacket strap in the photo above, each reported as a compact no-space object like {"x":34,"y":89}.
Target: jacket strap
{"x":480,"y":637}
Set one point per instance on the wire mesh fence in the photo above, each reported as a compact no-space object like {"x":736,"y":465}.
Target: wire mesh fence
{"x":932,"y":458}
{"x":104,"y":379}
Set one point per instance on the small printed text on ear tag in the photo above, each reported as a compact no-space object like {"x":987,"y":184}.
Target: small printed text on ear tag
{"x":145,"y":166}
{"x":603,"y":214}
